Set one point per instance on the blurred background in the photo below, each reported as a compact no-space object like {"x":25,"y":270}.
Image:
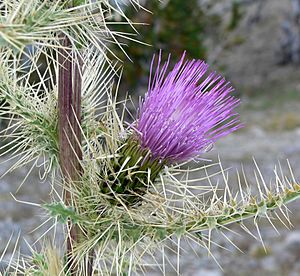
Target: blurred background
{"x":256,"y":45}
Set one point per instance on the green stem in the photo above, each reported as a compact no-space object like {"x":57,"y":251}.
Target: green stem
{"x":249,"y":211}
{"x":207,"y":221}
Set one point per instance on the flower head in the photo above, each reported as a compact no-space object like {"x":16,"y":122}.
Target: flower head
{"x":185,"y":111}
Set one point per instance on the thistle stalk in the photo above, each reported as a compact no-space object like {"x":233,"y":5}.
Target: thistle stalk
{"x":70,"y":154}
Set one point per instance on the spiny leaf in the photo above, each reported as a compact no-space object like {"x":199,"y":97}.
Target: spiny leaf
{"x":62,"y":212}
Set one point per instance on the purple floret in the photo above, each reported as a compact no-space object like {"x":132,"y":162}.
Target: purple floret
{"x":185,"y":111}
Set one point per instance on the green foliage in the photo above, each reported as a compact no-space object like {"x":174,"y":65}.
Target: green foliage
{"x":172,"y":26}
{"x":41,"y":22}
{"x":31,"y":114}
{"x":61,"y":212}
{"x":236,"y":15}
{"x":40,"y":261}
{"x":181,"y":27}
{"x":78,"y":2}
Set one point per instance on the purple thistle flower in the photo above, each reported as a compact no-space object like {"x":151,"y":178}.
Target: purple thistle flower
{"x":185,"y":111}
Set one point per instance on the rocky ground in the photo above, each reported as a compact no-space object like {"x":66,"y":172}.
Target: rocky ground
{"x":18,"y":220}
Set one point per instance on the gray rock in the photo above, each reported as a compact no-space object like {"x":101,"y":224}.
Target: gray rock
{"x":207,"y":272}
{"x":14,"y":210}
{"x":8,"y":231}
{"x":269,"y":263}
{"x":292,"y":244}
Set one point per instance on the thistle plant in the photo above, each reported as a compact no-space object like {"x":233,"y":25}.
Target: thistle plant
{"x":180,"y":118}
{"x":128,"y":188}
{"x":183,"y":115}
